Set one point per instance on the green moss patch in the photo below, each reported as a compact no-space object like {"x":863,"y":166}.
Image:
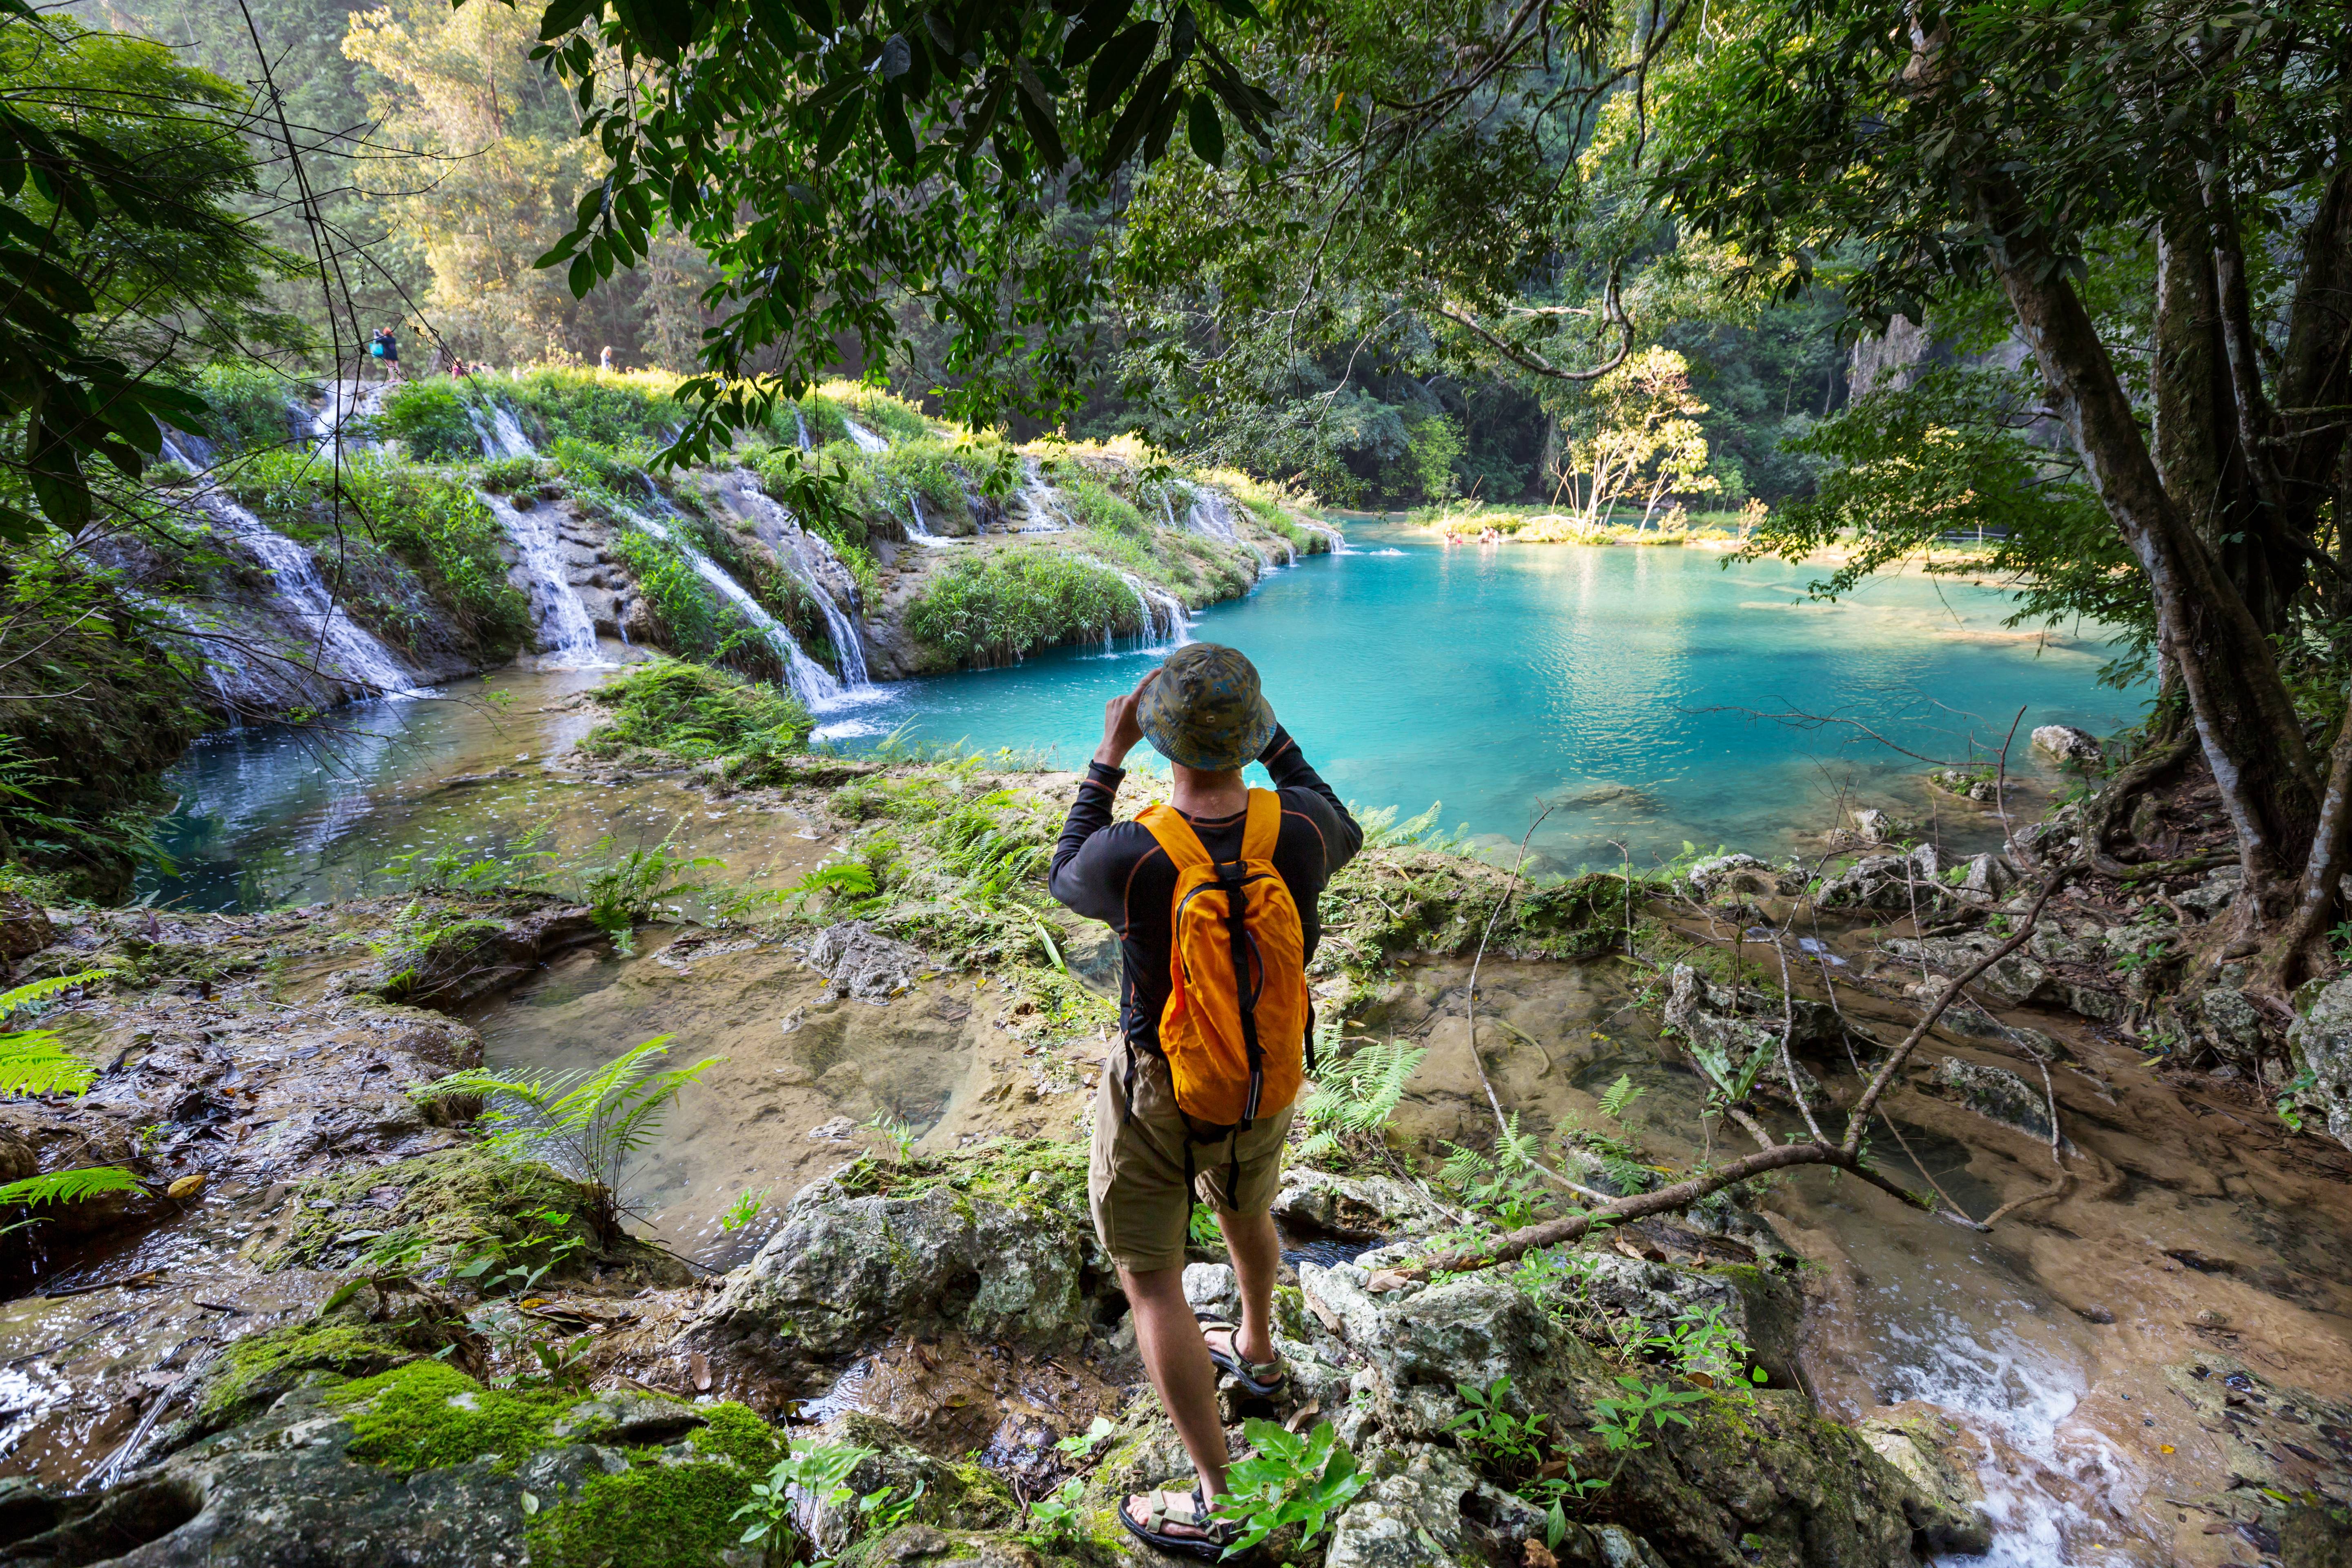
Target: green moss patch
{"x":1048,"y":1173}
{"x":449,"y":1205}
{"x":252,"y":1373}
{"x":429,"y":1414}
{"x":659,"y":1513}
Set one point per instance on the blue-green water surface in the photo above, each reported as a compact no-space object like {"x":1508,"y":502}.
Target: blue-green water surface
{"x":1619,"y":685}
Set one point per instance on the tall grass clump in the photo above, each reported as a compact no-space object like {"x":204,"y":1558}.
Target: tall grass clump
{"x":693,"y":711}
{"x":690,"y":617}
{"x":619,"y":409}
{"x":996,"y":608}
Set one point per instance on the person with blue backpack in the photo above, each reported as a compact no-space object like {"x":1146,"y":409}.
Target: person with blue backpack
{"x":1213,"y":897}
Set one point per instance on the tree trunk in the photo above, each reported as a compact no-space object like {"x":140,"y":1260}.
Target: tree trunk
{"x":2245,"y":719}
{"x":2197,"y":448}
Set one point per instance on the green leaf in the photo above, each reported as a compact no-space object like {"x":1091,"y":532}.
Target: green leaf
{"x":891,"y":110}
{"x":1131,"y":125}
{"x":562,"y":15}
{"x":1115,"y":70}
{"x":1037,"y":117}
{"x":838,"y":131}
{"x":1208,"y":130}
{"x":70,"y":1186}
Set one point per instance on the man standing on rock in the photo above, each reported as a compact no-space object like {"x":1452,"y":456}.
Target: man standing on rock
{"x":1213,"y":897}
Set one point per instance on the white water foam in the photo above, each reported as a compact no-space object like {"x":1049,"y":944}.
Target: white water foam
{"x":867,"y":441}
{"x":565,"y":632}
{"x":344,"y":648}
{"x":810,"y":681}
{"x":193,"y":453}
{"x":2052,"y":1485}
{"x":504,"y":436}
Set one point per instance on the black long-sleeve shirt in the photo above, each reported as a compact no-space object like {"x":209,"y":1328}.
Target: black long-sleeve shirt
{"x":1117,"y":872}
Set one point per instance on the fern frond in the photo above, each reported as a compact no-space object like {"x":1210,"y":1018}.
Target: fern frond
{"x":1620,"y":1097}
{"x":1515,"y":1150}
{"x":33,"y":1062}
{"x":42,"y":990}
{"x":1464,"y":1166}
{"x":70,"y":1186}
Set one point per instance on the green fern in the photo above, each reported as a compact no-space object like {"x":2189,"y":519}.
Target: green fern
{"x":1357,"y":1094}
{"x":1618,"y":1096}
{"x":841,"y":877}
{"x":1383,"y":831}
{"x":589,"y":1123}
{"x":68,"y":1186}
{"x":31,"y":1060}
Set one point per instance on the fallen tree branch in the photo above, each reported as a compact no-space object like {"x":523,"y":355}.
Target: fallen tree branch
{"x":1845,"y":1155}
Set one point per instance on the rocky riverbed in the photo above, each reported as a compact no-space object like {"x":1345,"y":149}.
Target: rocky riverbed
{"x":339,"y":1322}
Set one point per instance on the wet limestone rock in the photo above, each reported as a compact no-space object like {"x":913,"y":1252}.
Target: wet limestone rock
{"x":1737,"y":876}
{"x":848,"y":1268}
{"x":1763,"y":1474}
{"x":1951,"y":1514}
{"x":424,"y":1467}
{"x":1706,"y":1016}
{"x":2233,"y":1025}
{"x":1887,"y":882}
{"x":481,"y":954}
{"x":863,"y":963}
{"x":1994,"y":1093}
{"x":1873,"y":825}
{"x":1363,"y":1209}
{"x":2321,"y":1040}
{"x":24,"y":928}
{"x":2065,"y":744}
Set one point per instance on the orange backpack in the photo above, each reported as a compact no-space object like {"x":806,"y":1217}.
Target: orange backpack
{"x":1234,"y":1029}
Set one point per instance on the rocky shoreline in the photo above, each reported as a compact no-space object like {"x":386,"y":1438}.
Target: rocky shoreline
{"x":340,"y":1323}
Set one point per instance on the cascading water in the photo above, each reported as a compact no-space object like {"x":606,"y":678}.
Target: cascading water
{"x":1210,"y":514}
{"x":867,"y":441}
{"x":193,"y":453}
{"x":344,"y":649}
{"x":810,"y":681}
{"x":504,"y":436}
{"x":566,"y":633}
{"x":1160,"y":617}
{"x":1038,"y":512}
{"x":800,"y":424}
{"x":918,"y":532}
{"x":779,"y":537}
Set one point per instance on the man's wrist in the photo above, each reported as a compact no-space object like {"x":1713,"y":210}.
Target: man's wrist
{"x":1111,"y":757}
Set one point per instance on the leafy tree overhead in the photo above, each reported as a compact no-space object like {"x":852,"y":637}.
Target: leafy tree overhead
{"x":122,"y":251}
{"x":2007,"y":142}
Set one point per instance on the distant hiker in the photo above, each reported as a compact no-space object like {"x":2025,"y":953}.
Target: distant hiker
{"x":604,"y":361}
{"x":1213,"y":898}
{"x":385,"y":347}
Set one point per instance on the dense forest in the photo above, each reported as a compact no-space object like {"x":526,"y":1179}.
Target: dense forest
{"x":447,"y":162}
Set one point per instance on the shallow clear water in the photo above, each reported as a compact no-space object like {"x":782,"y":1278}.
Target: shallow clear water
{"x":1619,"y":685}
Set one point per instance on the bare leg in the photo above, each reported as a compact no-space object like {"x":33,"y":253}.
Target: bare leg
{"x":1256,"y":1252}
{"x":1178,"y":1360}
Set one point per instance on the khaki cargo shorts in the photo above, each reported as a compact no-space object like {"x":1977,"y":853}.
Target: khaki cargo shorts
{"x":1135,"y":1175}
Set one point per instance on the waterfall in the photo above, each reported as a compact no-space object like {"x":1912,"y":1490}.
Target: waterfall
{"x":193,"y":453}
{"x":565,"y":633}
{"x":810,"y":681}
{"x":354,"y":652}
{"x":867,"y":440}
{"x":918,"y":532}
{"x":504,"y":438}
{"x":1160,"y":615}
{"x":848,"y":647}
{"x":800,"y":423}
{"x":1212,"y":514}
{"x":1037,"y":508}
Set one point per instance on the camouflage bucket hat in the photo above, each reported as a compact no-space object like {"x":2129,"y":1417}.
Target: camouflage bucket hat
{"x":1205,"y":710}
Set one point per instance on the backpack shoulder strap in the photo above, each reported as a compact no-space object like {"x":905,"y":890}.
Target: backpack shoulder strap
{"x":1263,"y":828}
{"x":1166,"y":825}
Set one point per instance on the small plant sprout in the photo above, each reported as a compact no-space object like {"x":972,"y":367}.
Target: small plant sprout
{"x":1288,"y":1479}
{"x":1079,"y":1446}
{"x":901,"y":1134}
{"x":1618,"y":1096}
{"x":1054,"y":1519}
{"x":744,"y":1210}
{"x":818,"y":1473}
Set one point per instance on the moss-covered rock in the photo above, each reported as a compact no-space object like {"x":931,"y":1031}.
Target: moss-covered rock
{"x":369,"y":1332}
{"x":948,"y":1249}
{"x":463,"y":1202}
